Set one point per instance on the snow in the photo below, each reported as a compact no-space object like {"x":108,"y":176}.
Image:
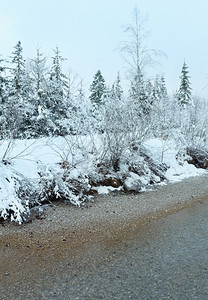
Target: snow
{"x":178,"y":172}
{"x":105,"y":189}
{"x":75,"y":159}
{"x":165,"y":152}
{"x":15,"y":194}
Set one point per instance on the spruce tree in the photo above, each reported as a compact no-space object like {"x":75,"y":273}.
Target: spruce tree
{"x":97,"y":89}
{"x":116,"y":91}
{"x":163,"y":88}
{"x":56,"y":100}
{"x":18,"y":69}
{"x":184,"y":93}
{"x":3,"y":97}
{"x":3,"y":81}
{"x":38,"y":70}
{"x":57,"y":85}
{"x":16,"y":105}
{"x":139,"y":95}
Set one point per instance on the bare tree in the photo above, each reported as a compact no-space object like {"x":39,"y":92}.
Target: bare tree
{"x":137,"y":56}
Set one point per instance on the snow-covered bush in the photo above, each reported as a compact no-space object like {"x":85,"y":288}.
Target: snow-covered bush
{"x":122,"y":129}
{"x":64,"y":184}
{"x":17,"y":195}
{"x":192,"y":128}
{"x":139,"y":170}
{"x":163,"y":117}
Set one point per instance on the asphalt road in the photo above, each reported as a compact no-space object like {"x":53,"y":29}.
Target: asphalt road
{"x":165,"y":258}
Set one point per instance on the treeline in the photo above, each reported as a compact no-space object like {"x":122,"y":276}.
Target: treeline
{"x":39,"y":100}
{"x":36,"y":99}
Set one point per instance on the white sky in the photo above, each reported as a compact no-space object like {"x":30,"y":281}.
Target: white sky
{"x":87,"y":33}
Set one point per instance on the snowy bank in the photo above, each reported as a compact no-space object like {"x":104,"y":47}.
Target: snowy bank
{"x":72,"y":169}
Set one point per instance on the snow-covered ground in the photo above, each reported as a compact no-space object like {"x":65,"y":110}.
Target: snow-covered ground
{"x":25,"y":160}
{"x":166,"y":152}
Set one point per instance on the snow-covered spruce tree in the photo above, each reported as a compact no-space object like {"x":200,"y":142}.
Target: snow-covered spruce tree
{"x":79,"y":113}
{"x":141,"y":98}
{"x":15,"y":105}
{"x":163,"y":88}
{"x":162,"y":114}
{"x":97,"y":97}
{"x":17,"y":70}
{"x":116,"y":90}
{"x":183,"y":95}
{"x":3,"y":80}
{"x":38,"y":70}
{"x":56,"y":102}
{"x":3,"y":97}
{"x":97,"y":89}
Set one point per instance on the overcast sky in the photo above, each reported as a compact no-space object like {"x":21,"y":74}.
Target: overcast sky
{"x":88,"y":32}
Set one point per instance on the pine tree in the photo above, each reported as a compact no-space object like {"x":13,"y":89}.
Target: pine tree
{"x":97,"y":89}
{"x":184,"y":93}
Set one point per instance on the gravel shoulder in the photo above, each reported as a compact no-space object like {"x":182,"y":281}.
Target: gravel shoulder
{"x":114,"y":208}
{"x":31,"y":251}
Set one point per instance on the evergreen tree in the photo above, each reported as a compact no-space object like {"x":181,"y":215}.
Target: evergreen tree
{"x":184,"y":93}
{"x":163,"y":88}
{"x":149,"y":88}
{"x":3,"y":97}
{"x":156,"y":93}
{"x":161,"y":107}
{"x":139,"y":95}
{"x":56,"y":100}
{"x":159,"y":90}
{"x":38,"y":99}
{"x":58,"y":80}
{"x":97,"y":89}
{"x":38,"y":70}
{"x":3,"y":81}
{"x":18,"y":69}
{"x":17,"y":95}
{"x":56,"y":73}
{"x":116,"y":91}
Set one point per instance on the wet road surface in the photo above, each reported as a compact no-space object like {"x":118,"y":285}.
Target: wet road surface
{"x":159,"y":259}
